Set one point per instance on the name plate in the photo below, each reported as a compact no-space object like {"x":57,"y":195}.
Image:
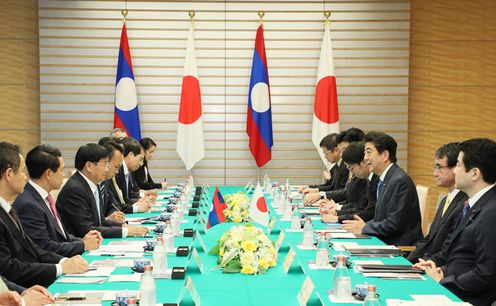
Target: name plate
{"x":279,"y":241}
{"x":305,"y":292}
{"x":288,"y":260}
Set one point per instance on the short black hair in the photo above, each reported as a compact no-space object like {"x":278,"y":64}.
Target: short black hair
{"x":329,"y":142}
{"x":383,"y":142}
{"x":9,"y":157}
{"x":480,"y":153}
{"x":354,"y":153}
{"x":450,"y":151}
{"x":112,"y":147}
{"x":147,"y":143}
{"x":131,"y":145}
{"x":42,"y":158}
{"x":351,"y":135}
{"x":91,"y":152}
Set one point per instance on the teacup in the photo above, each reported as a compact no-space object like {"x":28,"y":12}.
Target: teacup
{"x":164,"y":217}
{"x":122,"y":296}
{"x":346,"y":258}
{"x":159,"y":227}
{"x":140,"y":263}
{"x":361,"y":290}
{"x":150,"y":245}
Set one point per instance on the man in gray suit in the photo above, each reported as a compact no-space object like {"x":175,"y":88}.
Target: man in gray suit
{"x":397,"y":212}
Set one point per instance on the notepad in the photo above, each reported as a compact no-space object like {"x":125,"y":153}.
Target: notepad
{"x":135,"y":277}
{"x":81,"y":280}
{"x":100,"y":271}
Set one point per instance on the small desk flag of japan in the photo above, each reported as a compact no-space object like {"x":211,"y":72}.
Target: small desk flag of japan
{"x":258,"y":211}
{"x":325,"y":111}
{"x":190,"y":141}
{"x":126,"y":113}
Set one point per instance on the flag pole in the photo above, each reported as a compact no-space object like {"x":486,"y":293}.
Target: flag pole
{"x":327,"y":15}
{"x":261,"y":15}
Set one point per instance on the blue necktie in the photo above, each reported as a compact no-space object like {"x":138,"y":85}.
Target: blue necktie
{"x":379,"y":188}
{"x":464,"y":213}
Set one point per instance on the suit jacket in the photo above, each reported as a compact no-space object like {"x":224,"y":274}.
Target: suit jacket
{"x":144,"y":179}
{"x":41,"y":226}
{"x":397,"y":212}
{"x":13,"y":286}
{"x":21,"y":259}
{"x":354,"y":192}
{"x":131,"y":196}
{"x":442,"y":226}
{"x":365,"y":206}
{"x":470,"y":272}
{"x":339,"y":177}
{"x":77,"y":209}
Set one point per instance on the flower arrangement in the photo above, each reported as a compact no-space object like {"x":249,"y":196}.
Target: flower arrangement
{"x":246,"y":249}
{"x":237,"y":207}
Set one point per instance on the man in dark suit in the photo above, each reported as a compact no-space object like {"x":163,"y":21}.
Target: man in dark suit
{"x":123,"y":184}
{"x":80,"y":202}
{"x":339,"y":173}
{"x":36,"y":207}
{"x":19,"y":296}
{"x":21,"y":259}
{"x":142,"y":175}
{"x":470,"y":270}
{"x":362,"y":190}
{"x":397,"y":212}
{"x":449,"y":208}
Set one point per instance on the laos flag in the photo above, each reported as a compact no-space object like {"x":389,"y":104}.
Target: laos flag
{"x":126,"y":114}
{"x":216,"y":214}
{"x":259,"y":114}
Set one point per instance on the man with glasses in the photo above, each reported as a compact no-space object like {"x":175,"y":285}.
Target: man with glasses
{"x":470,"y":267}
{"x":126,"y":186}
{"x":81,"y":202}
{"x":449,"y":208}
{"x":116,"y":206}
{"x":338,"y":175}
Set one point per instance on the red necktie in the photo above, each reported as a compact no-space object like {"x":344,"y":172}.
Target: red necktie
{"x":51,"y":203}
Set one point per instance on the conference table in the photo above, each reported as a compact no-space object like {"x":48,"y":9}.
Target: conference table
{"x":276,"y":287}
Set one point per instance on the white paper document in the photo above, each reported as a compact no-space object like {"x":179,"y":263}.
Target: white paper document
{"x":340,"y":246}
{"x":135,"y":277}
{"x":106,"y":271}
{"x":81,"y":280}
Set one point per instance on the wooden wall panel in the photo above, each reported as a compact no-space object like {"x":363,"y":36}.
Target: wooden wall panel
{"x":79,"y":43}
{"x":452,"y":80}
{"x":19,"y":80}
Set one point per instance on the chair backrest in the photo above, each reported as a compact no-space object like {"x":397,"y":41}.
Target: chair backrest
{"x":423,"y":195}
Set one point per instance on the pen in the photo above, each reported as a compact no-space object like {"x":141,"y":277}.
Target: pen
{"x":115,"y":206}
{"x":71,"y":298}
{"x":92,"y":268}
{"x":112,"y":254}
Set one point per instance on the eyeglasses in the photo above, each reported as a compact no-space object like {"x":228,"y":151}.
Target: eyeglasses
{"x":105,"y":166}
{"x":439,"y":167}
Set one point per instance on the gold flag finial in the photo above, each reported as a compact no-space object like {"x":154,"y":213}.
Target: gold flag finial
{"x":261,"y":15}
{"x":124,"y":14}
{"x":191,"y":14}
{"x":327,"y":15}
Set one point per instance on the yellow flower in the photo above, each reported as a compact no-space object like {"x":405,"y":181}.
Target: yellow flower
{"x":249,"y":269}
{"x":248,"y":246}
{"x":273,"y":263}
{"x":264,"y":264}
{"x":227,"y":212}
{"x":235,"y":202}
{"x":237,"y":219}
{"x":245,"y":214}
{"x":247,"y":258}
